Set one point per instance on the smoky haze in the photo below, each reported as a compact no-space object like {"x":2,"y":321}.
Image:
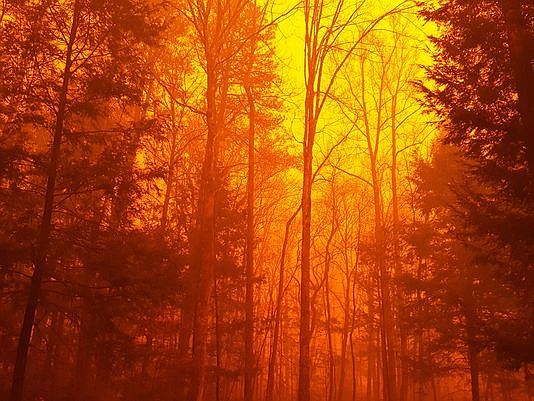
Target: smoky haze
{"x":231,"y":200}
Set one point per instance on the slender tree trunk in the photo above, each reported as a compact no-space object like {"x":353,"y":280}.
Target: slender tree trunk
{"x":352,"y":316}
{"x":383,"y":288}
{"x":278,"y":312}
{"x":378,"y":365}
{"x":354,"y":370}
{"x":43,"y":240}
{"x":307,"y":181}
{"x":372,"y":350}
{"x":53,"y":352}
{"x":218,"y":361}
{"x":305,"y":307}
{"x":327,"y":259}
{"x":170,"y":173}
{"x":184,"y":343}
{"x":418,"y":383}
{"x":348,"y":328}
{"x":472,"y":349}
{"x":386,"y":328}
{"x":397,"y":266}
{"x":249,"y":249}
{"x":474,"y":373}
{"x":345,"y":338}
{"x":312,"y":12}
{"x":81,"y":382}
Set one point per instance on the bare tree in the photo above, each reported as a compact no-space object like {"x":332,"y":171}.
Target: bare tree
{"x":324,"y":28}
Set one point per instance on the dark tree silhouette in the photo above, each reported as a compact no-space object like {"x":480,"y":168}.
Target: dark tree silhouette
{"x":483,"y":91}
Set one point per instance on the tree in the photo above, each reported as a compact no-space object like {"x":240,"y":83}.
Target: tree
{"x":325,"y":26}
{"x":35,"y":60}
{"x":176,"y":261}
{"x":480,"y":92}
{"x":214,"y":27}
{"x":479,"y":69}
{"x":257,"y":80}
{"x":460,"y":281}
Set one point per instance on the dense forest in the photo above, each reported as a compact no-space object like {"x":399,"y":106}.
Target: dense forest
{"x":266,"y":200}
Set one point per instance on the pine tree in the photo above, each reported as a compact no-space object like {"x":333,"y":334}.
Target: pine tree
{"x":480,"y":90}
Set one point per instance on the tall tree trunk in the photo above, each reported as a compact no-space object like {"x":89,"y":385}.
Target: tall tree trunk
{"x":369,"y":389}
{"x":305,"y":307}
{"x":397,"y":266}
{"x":348,"y":328}
{"x":351,"y":314}
{"x":472,"y":347}
{"x":218,"y":338}
{"x":372,"y":379}
{"x":206,"y":243}
{"x":278,"y":311}
{"x":169,"y":181}
{"x":354,"y":370}
{"x":53,"y":352}
{"x":310,"y":125}
{"x":81,"y":381}
{"x":387,"y":354}
{"x":474,"y":372}
{"x":419,"y":331}
{"x":184,"y":343}
{"x":43,"y":240}
{"x":388,"y":375}
{"x":328,"y":313}
{"x":249,"y":249}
